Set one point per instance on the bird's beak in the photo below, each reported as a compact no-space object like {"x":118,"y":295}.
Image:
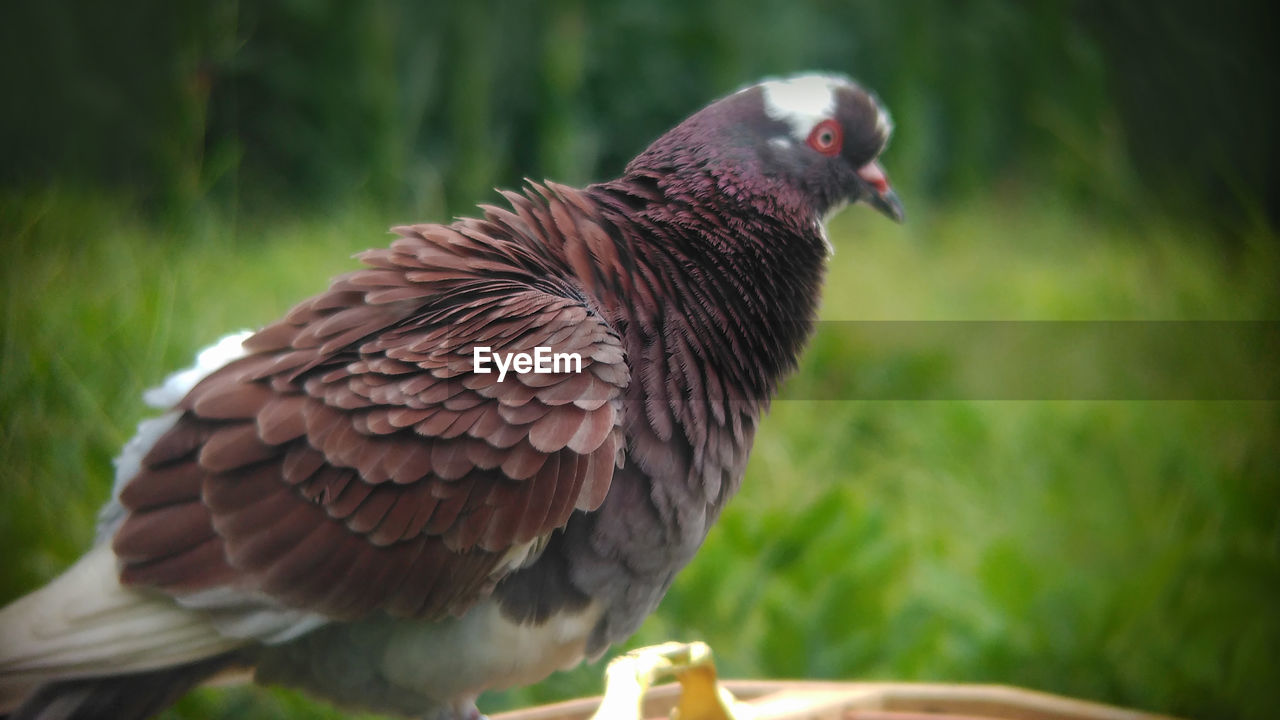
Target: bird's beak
{"x":878,"y":193}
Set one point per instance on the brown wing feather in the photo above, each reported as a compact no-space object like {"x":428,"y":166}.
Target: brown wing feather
{"x":353,"y":461}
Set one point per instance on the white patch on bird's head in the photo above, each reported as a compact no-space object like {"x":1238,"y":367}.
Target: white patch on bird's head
{"x":802,"y":101}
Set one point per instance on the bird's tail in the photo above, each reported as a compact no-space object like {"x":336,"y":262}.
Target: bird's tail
{"x":132,"y":696}
{"x":84,"y":626}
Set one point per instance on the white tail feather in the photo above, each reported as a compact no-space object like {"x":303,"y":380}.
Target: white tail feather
{"x":85,"y":623}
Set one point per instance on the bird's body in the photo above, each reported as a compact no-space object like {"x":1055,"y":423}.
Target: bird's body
{"x":343,"y":502}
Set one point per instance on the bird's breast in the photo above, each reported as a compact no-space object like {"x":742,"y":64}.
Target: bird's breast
{"x":428,"y":669}
{"x":486,"y":649}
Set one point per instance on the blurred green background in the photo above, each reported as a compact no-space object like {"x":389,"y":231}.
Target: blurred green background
{"x":170,"y":172}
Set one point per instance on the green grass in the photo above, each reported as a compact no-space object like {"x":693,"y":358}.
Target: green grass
{"x":1121,"y":551}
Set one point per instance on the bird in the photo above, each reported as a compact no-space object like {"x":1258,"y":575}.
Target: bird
{"x":397,"y":497}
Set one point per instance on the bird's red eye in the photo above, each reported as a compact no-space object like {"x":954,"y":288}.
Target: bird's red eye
{"x":826,"y":137}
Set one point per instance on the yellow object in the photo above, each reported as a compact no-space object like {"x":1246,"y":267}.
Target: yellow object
{"x":629,"y":676}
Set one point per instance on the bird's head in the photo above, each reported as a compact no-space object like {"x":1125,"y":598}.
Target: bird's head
{"x":811,"y":140}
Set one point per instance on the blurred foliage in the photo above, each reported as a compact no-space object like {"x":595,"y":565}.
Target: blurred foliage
{"x":425,"y":106}
{"x":172,"y":172}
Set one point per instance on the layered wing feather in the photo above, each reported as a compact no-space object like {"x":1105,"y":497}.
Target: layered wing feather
{"x":354,"y":461}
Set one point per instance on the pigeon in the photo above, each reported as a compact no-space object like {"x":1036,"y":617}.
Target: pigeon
{"x":478,"y":459}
